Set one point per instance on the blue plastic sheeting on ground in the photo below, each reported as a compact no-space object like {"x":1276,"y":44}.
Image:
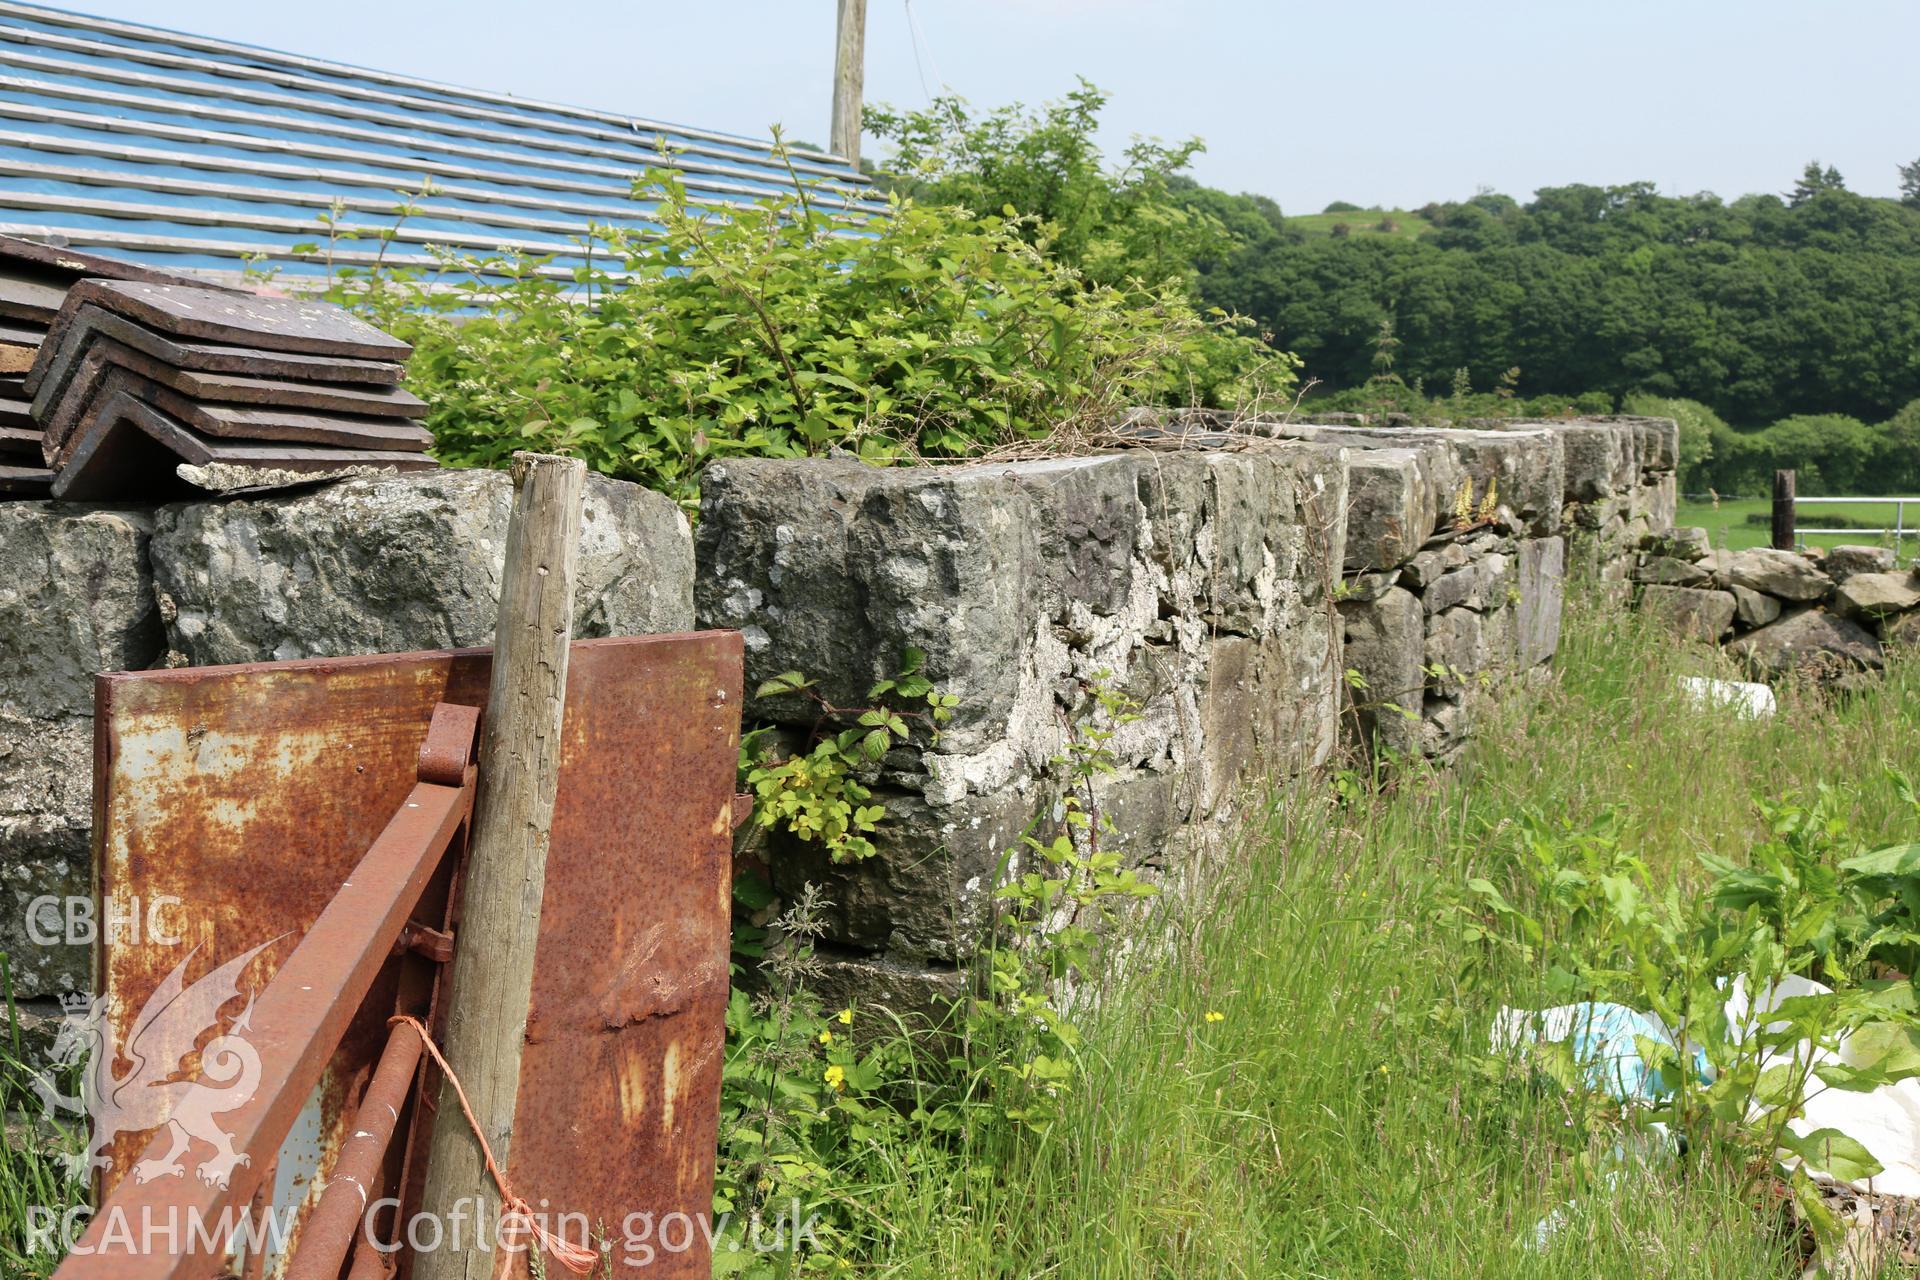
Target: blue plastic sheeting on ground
{"x":1605,"y":1039}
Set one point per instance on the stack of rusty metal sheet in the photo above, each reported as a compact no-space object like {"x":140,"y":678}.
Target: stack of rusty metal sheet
{"x":34,"y":279}
{"x":135,"y":378}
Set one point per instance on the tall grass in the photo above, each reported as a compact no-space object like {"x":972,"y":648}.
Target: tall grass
{"x":1343,"y":1116}
{"x":33,"y":1179}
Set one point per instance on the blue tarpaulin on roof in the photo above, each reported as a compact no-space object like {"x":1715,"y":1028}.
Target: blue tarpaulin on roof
{"x":199,"y":154}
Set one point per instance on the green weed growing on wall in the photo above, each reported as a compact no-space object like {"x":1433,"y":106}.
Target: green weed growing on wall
{"x":816,"y":793}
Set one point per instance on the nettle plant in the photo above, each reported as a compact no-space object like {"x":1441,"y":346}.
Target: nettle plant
{"x":819,"y":792}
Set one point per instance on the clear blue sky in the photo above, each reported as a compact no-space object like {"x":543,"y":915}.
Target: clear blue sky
{"x":1364,"y":100}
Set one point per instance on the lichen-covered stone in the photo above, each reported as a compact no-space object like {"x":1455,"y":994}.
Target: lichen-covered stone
{"x":76,"y":599}
{"x":1753,"y":608}
{"x":1843,"y":562}
{"x":1700,"y":614}
{"x":400,"y":562}
{"x":1876,"y":595}
{"x":1015,"y":578}
{"x":1785,"y":575}
{"x":1386,"y":644}
{"x":1812,"y":643}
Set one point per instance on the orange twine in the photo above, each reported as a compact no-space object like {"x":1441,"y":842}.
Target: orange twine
{"x":575,"y":1258}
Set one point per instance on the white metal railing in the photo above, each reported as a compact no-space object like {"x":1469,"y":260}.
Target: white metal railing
{"x":1899,"y":529}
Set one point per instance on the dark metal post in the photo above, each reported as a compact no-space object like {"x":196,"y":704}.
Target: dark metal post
{"x":1783,"y":510}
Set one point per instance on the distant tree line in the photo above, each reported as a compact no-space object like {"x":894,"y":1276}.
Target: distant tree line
{"x":1795,"y":318}
{"x":1761,"y":308}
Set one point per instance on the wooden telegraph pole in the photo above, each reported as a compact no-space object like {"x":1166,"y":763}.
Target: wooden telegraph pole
{"x":849,"y":76}
{"x":492,"y":980}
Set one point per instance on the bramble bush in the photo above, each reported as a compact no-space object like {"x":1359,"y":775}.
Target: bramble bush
{"x":789,"y":327}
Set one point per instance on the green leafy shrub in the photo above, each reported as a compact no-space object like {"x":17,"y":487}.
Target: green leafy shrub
{"x":788,"y":327}
{"x":1118,"y":226}
{"x":1811,"y":901}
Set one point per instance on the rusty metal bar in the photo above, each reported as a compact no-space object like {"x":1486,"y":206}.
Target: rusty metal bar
{"x":368,"y":1262}
{"x":355,"y":1180}
{"x":295,"y":1025}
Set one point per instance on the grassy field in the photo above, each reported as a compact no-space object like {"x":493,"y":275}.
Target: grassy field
{"x":1365,"y":222}
{"x":1339,"y":1117}
{"x":1727,"y":524}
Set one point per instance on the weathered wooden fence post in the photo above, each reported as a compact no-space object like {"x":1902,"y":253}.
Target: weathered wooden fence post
{"x":492,"y":978}
{"x":1783,"y":510}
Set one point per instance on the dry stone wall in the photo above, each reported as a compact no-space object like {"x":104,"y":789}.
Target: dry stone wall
{"x":1828,"y":615}
{"x":1260,"y":590}
{"x":1226,"y":589}
{"x":1199,"y":585}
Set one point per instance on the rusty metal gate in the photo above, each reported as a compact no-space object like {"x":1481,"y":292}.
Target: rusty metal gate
{"x":299,"y":817}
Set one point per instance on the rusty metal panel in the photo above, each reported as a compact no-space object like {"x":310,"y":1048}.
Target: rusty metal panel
{"x":249,"y":793}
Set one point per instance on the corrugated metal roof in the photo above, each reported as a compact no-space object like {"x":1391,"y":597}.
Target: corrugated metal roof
{"x":194,"y":153}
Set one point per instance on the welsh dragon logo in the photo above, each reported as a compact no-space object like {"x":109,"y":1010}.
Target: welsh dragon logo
{"x":150,"y":1093}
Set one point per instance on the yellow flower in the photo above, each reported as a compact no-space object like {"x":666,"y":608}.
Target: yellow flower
{"x":836,"y":1075}
{"x":846,"y":1017}
{"x":1214,"y":1015}
{"x":826,"y":1036}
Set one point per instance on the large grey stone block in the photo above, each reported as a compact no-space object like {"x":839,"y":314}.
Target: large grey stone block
{"x":1541,"y":585}
{"x":1699,"y":614}
{"x":393,"y":563}
{"x":1786,"y":574}
{"x":1269,"y":708}
{"x":76,"y":599}
{"x":1393,"y":507}
{"x":1877,"y":595}
{"x":1013,"y":578}
{"x":1752,"y":608}
{"x":1386,"y":645}
{"x":1601,"y":460}
{"x":928,"y":893}
{"x":1811,"y":643}
{"x":1843,"y":562}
